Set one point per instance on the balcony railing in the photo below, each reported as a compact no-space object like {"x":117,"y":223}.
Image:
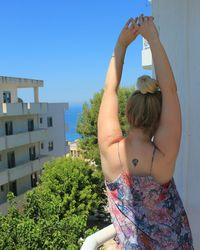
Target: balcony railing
{"x":16,"y":109}
{"x":97,"y":239}
{"x":20,"y":139}
{"x":22,"y":170}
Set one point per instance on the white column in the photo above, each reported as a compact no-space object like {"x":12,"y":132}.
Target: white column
{"x":36,"y":98}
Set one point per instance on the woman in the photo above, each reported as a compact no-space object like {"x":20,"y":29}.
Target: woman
{"x":144,"y":204}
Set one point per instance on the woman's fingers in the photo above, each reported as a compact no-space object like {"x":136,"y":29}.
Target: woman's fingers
{"x":141,"y":20}
{"x":138,"y":21}
{"x":128,"y":23}
{"x":151,"y":18}
{"x":136,"y":31}
{"x":133,"y":24}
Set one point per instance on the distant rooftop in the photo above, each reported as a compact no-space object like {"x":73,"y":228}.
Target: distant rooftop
{"x":20,"y":82}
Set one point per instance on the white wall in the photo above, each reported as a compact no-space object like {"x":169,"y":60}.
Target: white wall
{"x":56,"y":133}
{"x":20,"y":123}
{"x":3,"y":161}
{"x":2,"y":127}
{"x":3,"y":194}
{"x":13,"y":91}
{"x":22,"y":153}
{"x":178,"y":22}
{"x":23,"y":184}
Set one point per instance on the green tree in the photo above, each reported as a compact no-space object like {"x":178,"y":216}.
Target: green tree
{"x":87,"y":123}
{"x":55,"y":213}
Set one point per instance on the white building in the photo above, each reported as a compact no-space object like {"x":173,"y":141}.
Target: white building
{"x":30,"y":134}
{"x":178,"y":25}
{"x":73,"y":149}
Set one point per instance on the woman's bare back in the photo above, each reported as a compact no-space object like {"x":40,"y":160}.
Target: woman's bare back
{"x":137,"y":158}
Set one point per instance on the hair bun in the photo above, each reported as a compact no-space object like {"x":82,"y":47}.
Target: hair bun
{"x":146,"y":84}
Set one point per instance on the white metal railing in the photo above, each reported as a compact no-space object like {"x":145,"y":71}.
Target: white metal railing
{"x":97,"y":239}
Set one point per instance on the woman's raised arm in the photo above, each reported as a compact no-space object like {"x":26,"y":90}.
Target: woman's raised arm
{"x":168,"y":135}
{"x":108,"y":118}
{"x":128,"y":34}
{"x":164,"y":73}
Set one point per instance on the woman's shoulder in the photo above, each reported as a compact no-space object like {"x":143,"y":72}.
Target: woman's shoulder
{"x":110,"y":162}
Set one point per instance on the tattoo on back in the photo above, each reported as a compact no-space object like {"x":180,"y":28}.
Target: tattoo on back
{"x":135,"y":162}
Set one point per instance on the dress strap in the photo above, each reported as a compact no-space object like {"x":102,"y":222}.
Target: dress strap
{"x":154,"y":149}
{"x":118,"y":141}
{"x":119,"y":153}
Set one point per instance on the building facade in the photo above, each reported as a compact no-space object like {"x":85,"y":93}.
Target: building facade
{"x":30,"y":134}
{"x":177,"y":23}
{"x":73,"y":149}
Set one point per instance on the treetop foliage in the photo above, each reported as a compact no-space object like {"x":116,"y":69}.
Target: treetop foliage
{"x":87,"y":123}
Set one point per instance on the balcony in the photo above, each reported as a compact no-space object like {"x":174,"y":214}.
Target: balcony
{"x":17,"y":109}
{"x":146,"y":56}
{"x":22,"y":170}
{"x":20,"y":139}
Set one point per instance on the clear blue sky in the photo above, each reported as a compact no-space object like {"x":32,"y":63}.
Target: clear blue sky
{"x":68,"y":44}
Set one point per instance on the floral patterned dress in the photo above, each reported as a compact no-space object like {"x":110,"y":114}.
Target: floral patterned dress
{"x":147,"y":215}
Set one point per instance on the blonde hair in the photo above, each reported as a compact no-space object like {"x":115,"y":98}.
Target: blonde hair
{"x":143,"y":107}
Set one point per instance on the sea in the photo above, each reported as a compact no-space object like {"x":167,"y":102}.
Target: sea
{"x":71,"y":119}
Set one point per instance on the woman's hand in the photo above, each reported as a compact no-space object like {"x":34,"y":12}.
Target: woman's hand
{"x":147,"y":27}
{"x":128,"y":33}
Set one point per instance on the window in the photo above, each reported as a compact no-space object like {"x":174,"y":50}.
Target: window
{"x":6,"y":97}
{"x":11,"y":159}
{"x":42,"y":145}
{"x":30,"y":124}
{"x":2,"y":188}
{"x":41,"y":120}
{"x":50,"y":146}
{"x":13,"y":187}
{"x":9,"y":128}
{"x":49,"y":122}
{"x":33,"y":180}
{"x":32,"y":154}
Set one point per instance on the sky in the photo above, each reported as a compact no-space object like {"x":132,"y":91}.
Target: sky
{"x":68,"y":44}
